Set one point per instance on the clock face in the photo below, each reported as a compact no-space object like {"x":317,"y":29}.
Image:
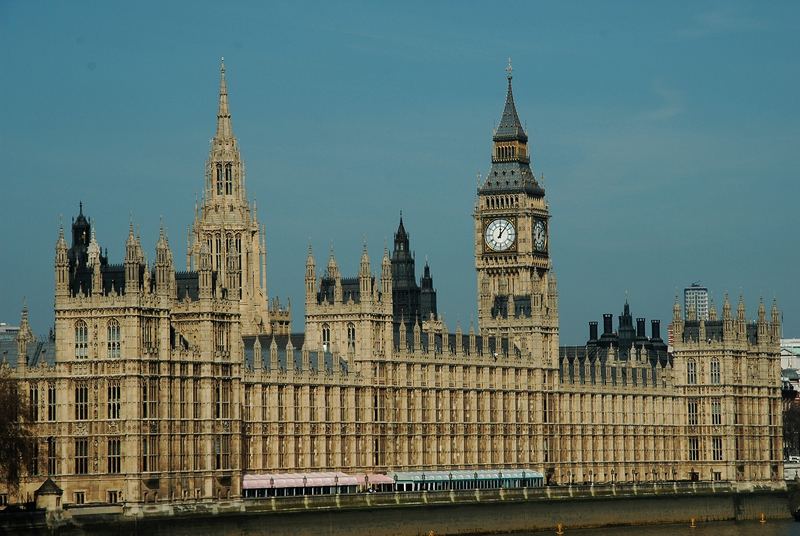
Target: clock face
{"x":500,"y":235}
{"x":539,"y":236}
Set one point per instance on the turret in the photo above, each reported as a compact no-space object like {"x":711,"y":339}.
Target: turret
{"x":132,"y":255}
{"x":333,"y":272}
{"x":741,"y":320}
{"x":93,"y":256}
{"x":386,"y":277}
{"x":24,"y":338}
{"x":775,"y":325}
{"x":427,"y":297}
{"x":311,"y":277}
{"x":61,"y":265}
{"x":727,"y":319}
{"x":364,"y":277}
{"x":165,"y":270}
{"x":762,"y":321}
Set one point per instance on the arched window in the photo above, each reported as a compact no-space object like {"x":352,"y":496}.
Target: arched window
{"x":326,"y":337}
{"x":691,"y":372}
{"x":113,"y":338}
{"x":228,"y":179}
{"x":351,"y":336}
{"x":219,"y":179}
{"x":81,"y":340}
{"x":715,"y":376}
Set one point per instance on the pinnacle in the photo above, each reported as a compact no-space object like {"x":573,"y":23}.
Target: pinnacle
{"x":224,"y":127}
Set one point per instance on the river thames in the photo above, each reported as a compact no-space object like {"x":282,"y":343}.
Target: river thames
{"x":725,"y":528}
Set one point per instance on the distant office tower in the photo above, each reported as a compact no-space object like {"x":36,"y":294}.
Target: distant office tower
{"x":695,"y":300}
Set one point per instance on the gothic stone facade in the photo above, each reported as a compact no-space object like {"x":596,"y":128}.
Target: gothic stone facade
{"x":162,"y":384}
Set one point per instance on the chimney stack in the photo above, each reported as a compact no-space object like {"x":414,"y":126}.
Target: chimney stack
{"x":592,"y":331}
{"x":608,"y":327}
{"x":655,"y":327}
{"x":640,"y":333}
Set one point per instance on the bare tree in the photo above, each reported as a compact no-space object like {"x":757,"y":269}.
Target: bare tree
{"x":16,"y":438}
{"x":791,"y":429}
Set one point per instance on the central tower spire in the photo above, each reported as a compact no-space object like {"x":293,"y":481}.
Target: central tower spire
{"x":225,"y":169}
{"x":227,"y":228}
{"x":224,"y":127}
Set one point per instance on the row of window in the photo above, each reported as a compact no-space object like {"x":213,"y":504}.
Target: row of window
{"x":691,"y":372}
{"x":233,"y":246}
{"x":113,"y":339}
{"x":224,"y":176}
{"x":716,"y":448}
{"x":693,"y":416}
{"x":222,"y":455}
{"x":81,"y":401}
{"x":351,"y":336}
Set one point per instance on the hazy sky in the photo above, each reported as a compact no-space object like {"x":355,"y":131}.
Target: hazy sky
{"x":667,"y":132}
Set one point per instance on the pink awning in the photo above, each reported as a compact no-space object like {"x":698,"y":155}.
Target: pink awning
{"x":295,"y":480}
{"x":373,"y":479}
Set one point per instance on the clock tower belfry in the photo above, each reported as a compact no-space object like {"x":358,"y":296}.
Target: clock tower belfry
{"x":517,"y":294}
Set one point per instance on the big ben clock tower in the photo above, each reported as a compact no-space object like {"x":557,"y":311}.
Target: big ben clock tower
{"x":517,"y":293}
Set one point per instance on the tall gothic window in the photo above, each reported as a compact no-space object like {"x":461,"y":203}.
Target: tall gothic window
{"x":81,"y":456}
{"x":219,"y":179}
{"x":114,"y":455}
{"x":51,"y":455}
{"x":716,"y":448}
{"x":218,"y":253}
{"x":51,"y":402}
{"x":81,"y":402}
{"x":228,"y":179}
{"x":694,"y":449}
{"x":326,"y":337}
{"x":149,"y":453}
{"x":113,"y":399}
{"x":716,"y":411}
{"x":692,"y":412}
{"x":34,"y":402}
{"x":113,"y":338}
{"x":81,"y":340}
{"x":715,"y":376}
{"x":351,"y":336}
{"x":691,"y":372}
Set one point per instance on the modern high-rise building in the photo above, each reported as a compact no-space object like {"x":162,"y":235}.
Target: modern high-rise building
{"x":163,"y":385}
{"x":695,"y":302}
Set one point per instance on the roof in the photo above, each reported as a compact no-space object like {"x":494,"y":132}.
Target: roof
{"x":43,"y":351}
{"x":49,"y":487}
{"x":510,"y":127}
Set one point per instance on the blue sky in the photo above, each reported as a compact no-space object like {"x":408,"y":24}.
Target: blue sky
{"x":667,"y":132}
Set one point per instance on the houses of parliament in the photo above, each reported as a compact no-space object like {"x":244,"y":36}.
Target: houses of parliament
{"x":158,"y":384}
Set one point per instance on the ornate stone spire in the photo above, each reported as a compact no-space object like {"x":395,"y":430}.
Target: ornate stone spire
{"x":224,"y":126}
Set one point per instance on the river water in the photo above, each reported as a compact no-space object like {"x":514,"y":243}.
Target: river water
{"x":725,"y":528}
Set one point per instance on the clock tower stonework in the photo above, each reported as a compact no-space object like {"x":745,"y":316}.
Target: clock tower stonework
{"x":517,"y":292}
